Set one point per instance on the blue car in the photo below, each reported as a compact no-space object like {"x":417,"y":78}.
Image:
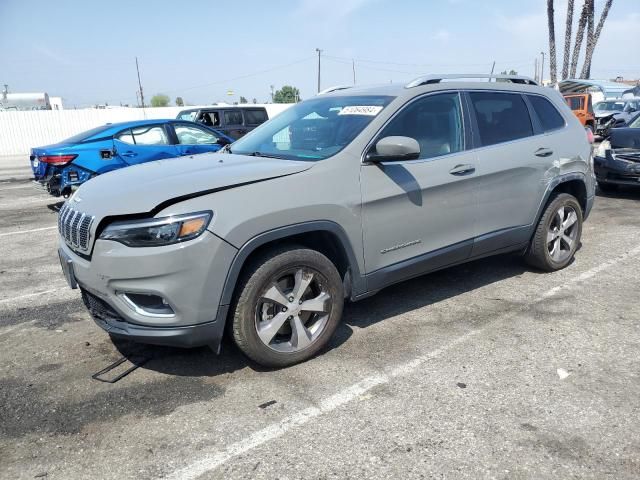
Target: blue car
{"x":63,"y":167}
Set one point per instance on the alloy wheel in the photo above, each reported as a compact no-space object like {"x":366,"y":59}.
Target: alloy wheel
{"x":562,"y":234}
{"x":293,"y":310}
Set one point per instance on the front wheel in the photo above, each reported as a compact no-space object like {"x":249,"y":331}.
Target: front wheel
{"x":557,"y":235}
{"x":289,"y":305}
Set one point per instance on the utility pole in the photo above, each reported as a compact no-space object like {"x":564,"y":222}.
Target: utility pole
{"x":492,"y":68}
{"x":319,"y":52}
{"x":535,"y":69}
{"x":353,"y":65}
{"x":140,"y":84}
{"x":542,"y":70}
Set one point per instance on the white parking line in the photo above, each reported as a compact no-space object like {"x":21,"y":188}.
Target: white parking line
{"x":18,"y":232}
{"x":214,"y":460}
{"x":16,"y":187}
{"x":29,"y":295}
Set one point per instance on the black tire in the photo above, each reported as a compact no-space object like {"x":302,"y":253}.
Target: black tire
{"x":249,"y":306}
{"x":607,"y":187}
{"x":538,"y":254}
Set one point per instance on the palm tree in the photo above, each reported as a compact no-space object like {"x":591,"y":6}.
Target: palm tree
{"x":582,"y":22}
{"x":552,"y":42}
{"x":591,"y":45}
{"x":590,"y":19}
{"x":567,"y":40}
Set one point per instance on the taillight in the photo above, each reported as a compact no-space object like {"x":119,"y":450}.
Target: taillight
{"x":56,"y":159}
{"x":590,"y":137}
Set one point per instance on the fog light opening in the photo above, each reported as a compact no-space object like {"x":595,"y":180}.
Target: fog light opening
{"x":147,"y":304}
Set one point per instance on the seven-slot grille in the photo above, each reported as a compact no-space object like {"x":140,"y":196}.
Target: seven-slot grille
{"x":75,"y":227}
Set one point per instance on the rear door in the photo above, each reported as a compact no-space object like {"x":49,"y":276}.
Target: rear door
{"x":144,"y":144}
{"x":514,"y":155}
{"x":233,"y":123}
{"x":193,"y":139}
{"x":254,"y":117}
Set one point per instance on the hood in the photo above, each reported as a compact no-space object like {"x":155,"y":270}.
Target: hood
{"x":151,"y":186}
{"x":604,"y":113}
{"x":625,"y":138}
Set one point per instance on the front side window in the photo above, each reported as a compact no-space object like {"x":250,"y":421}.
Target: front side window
{"x":191,"y":135}
{"x":232,"y":117}
{"x":255,"y":117}
{"x":547,"y":113}
{"x":435,"y":121}
{"x":635,"y":123}
{"x":314,"y":129}
{"x":501,"y":117}
{"x":148,"y":135}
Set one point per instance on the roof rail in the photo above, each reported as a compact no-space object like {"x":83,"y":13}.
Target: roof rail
{"x":437,"y":78}
{"x":334,"y":89}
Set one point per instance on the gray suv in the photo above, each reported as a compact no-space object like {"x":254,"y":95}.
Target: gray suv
{"x":336,"y":198}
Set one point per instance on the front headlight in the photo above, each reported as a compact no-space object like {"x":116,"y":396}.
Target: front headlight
{"x":601,"y":151}
{"x":156,"y":232}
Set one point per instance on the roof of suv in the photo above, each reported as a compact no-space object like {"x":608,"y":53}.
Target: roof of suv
{"x":405,"y":90}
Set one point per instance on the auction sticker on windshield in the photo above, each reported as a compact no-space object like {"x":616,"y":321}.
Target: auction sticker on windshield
{"x":370,"y":110}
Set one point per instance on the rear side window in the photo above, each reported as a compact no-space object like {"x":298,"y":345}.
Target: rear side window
{"x":547,"y":113}
{"x":188,"y":115}
{"x":575,"y":103}
{"x":255,"y":117}
{"x":232,"y":117}
{"x":501,"y":117}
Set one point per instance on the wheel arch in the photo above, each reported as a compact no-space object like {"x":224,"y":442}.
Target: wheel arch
{"x":572,"y":183}
{"x":325,"y":236}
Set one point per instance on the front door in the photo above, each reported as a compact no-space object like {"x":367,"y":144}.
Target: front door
{"x":419,"y":215}
{"x":143,"y":144}
{"x":193,"y":139}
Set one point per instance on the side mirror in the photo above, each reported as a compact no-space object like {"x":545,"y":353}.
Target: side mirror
{"x":395,"y":148}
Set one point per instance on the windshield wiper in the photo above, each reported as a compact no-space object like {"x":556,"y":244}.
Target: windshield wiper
{"x":260,"y":154}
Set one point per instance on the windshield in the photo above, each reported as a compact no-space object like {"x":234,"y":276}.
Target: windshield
{"x":609,"y":106}
{"x":314,"y":129}
{"x":88,"y":134}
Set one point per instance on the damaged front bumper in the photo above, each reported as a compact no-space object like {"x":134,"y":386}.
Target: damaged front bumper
{"x":620,"y":167}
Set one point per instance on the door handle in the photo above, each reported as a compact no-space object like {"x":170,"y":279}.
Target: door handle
{"x":129,"y":154}
{"x":543,"y":152}
{"x":462,"y":170}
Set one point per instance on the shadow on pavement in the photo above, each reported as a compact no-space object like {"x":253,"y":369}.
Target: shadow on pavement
{"x":396,"y":300}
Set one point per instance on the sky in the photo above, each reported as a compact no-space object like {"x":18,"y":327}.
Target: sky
{"x":84,"y":51}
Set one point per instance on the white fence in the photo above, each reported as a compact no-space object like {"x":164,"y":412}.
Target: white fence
{"x":20,"y":131}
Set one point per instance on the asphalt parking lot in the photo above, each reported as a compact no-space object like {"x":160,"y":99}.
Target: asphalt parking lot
{"x":486,"y":370}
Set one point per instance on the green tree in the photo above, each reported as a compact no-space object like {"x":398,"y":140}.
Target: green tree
{"x":159,"y":100}
{"x":243,"y":100}
{"x":179,"y":102}
{"x":510,"y":72}
{"x":287,"y":94}
{"x":255,"y":101}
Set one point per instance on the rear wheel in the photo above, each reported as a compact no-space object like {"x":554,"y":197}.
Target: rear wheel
{"x":290,"y":303}
{"x":557,"y":235}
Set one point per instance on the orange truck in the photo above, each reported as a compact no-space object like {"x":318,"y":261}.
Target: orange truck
{"x":580,"y":104}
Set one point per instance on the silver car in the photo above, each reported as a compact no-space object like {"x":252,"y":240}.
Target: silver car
{"x":336,"y":198}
